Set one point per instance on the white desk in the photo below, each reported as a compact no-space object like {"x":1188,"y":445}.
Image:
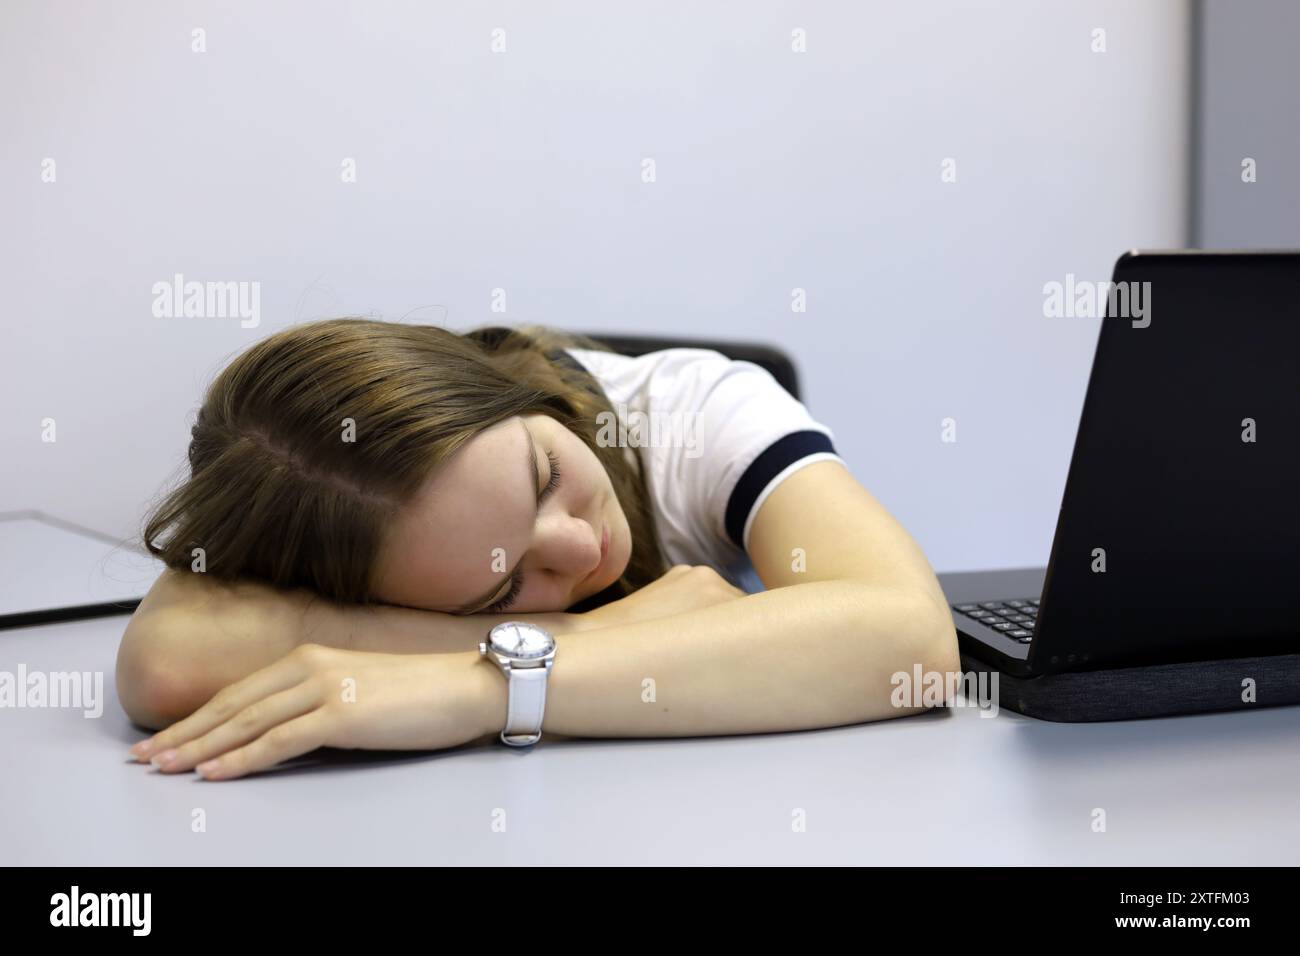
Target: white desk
{"x":949,"y":788}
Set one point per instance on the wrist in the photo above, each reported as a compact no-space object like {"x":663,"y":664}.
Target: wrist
{"x":559,"y":622}
{"x":490,"y":694}
{"x":592,"y":620}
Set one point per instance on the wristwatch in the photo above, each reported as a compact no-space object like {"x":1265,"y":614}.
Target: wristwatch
{"x":524,"y":652}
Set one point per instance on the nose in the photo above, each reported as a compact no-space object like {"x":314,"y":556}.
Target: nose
{"x":569,"y":547}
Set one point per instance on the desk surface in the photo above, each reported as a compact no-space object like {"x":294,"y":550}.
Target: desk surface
{"x":944,"y":788}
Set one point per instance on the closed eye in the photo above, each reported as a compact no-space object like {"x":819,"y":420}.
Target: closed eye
{"x":517,"y":580}
{"x":554,"y":481}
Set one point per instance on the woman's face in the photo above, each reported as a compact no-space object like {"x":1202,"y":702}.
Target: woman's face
{"x":526,"y":486}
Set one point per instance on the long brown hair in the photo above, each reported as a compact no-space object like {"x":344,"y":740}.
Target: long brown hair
{"x":278,"y":492}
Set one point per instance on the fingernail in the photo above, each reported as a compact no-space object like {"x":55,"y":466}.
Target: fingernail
{"x":164,"y":758}
{"x":142,"y":748}
{"x":207,"y":767}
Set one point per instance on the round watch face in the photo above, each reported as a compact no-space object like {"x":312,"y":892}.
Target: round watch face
{"x":520,"y":639}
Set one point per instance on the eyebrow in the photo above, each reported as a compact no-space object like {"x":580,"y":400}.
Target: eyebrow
{"x":471,"y":607}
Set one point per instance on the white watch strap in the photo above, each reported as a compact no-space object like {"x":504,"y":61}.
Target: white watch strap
{"x":527,"y":703}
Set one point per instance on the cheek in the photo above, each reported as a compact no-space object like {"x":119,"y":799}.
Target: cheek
{"x":600,"y":478}
{"x":589,"y":471}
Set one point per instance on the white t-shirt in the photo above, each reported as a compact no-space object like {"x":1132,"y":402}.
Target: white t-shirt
{"x":715,"y":436}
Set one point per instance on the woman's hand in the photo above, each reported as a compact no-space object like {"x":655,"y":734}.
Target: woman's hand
{"x":319,"y":696}
{"x":682,"y":588}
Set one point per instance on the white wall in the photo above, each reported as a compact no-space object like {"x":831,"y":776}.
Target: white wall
{"x":521,"y":170}
{"x":1250,"y":78}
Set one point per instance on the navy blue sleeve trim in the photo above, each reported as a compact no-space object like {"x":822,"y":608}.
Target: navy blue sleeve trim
{"x":779,"y":456}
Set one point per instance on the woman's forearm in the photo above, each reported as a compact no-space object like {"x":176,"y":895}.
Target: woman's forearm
{"x":193,"y":635}
{"x":820,"y":654}
{"x":400,"y":630}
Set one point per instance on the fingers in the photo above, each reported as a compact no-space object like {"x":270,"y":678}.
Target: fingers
{"x":282,"y":742}
{"x":284,"y":673}
{"x":254,"y":721}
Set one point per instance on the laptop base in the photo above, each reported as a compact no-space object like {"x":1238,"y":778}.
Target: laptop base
{"x":1156,"y":690}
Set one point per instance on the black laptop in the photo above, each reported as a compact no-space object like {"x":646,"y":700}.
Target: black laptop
{"x":1178,"y":537}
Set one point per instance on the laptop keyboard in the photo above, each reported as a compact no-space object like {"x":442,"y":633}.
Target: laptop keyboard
{"x":1015,"y":619}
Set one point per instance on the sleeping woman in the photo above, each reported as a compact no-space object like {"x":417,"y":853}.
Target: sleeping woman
{"x":366,"y":502}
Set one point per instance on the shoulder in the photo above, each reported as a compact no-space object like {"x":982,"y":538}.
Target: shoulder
{"x":716,"y":434}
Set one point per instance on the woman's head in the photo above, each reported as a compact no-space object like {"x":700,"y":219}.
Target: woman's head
{"x":404,"y":464}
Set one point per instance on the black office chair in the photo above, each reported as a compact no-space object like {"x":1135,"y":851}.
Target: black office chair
{"x":768,"y":356}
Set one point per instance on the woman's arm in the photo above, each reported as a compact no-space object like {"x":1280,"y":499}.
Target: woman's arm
{"x":193,"y":635}
{"x":819,"y":654}
{"x":852,"y":601}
